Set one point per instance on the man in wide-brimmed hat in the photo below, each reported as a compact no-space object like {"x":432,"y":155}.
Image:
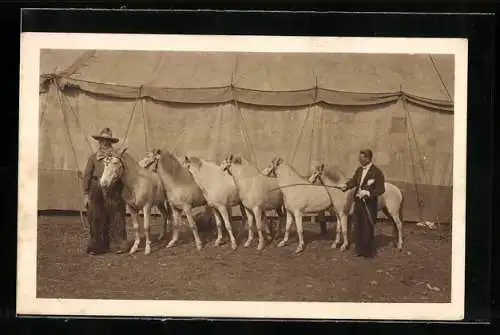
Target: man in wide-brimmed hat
{"x":369,"y":182}
{"x":106,"y":214}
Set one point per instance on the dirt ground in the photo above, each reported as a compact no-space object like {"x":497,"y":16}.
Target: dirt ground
{"x":420,"y":273}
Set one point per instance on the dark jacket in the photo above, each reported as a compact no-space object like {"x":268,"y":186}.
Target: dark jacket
{"x":375,"y":189}
{"x":93,"y":169}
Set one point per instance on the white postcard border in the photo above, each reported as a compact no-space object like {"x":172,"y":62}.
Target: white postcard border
{"x":29,"y":304}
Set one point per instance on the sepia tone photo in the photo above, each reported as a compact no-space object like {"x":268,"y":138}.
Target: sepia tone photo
{"x":231,"y":175}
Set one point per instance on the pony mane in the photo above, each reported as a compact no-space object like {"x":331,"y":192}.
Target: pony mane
{"x":172,"y":165}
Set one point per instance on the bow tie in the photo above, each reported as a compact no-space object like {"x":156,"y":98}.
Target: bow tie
{"x":101,"y":154}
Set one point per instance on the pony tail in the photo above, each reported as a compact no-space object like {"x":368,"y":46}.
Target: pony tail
{"x":401,"y":206}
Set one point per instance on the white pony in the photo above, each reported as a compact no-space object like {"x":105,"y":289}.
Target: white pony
{"x":390,"y":202}
{"x":142,"y":190}
{"x":219,"y":189}
{"x":302,"y":197}
{"x":257,"y":192}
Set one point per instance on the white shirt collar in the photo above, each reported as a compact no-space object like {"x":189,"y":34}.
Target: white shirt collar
{"x":367,"y":166}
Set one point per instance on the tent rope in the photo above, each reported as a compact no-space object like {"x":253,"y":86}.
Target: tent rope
{"x":131,"y":117}
{"x":440,"y":78}
{"x":294,"y":152}
{"x":243,"y":130}
{"x":145,"y":123}
{"x":77,"y":118}
{"x":75,"y":156}
{"x":245,"y":134}
{"x":221,"y":124}
{"x":312,"y":139}
{"x":313,"y":121}
{"x":422,"y":167}
{"x":415,"y":183}
{"x":43,"y":113}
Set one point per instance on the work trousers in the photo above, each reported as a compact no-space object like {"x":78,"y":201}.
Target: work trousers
{"x":106,"y":215}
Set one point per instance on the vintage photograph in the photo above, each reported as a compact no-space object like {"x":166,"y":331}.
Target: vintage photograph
{"x":231,"y":175}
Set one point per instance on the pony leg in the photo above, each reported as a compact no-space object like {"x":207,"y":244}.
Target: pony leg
{"x":224,"y":212}
{"x":338,"y":232}
{"x":147,"y":224}
{"x":135,"y":219}
{"x":177,"y":221}
{"x":322,"y":222}
{"x":250,"y":226}
{"x":194,"y":228}
{"x":165,"y":215}
{"x":258,"y":222}
{"x":300,"y":231}
{"x":281,"y":214}
{"x":289,"y":219}
{"x":397,"y":227}
{"x":344,"y":228}
{"x":218,"y":223}
{"x":266,"y":221}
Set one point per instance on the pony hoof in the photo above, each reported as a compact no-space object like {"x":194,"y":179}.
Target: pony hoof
{"x":247,"y":244}
{"x":234,"y":246}
{"x":170,"y":245}
{"x":147,"y":252}
{"x":299,"y":250}
{"x":343,"y":247}
{"x":133,"y":250}
{"x":281,"y":244}
{"x":260,"y":247}
{"x":333,"y":246}
{"x":199,"y":247}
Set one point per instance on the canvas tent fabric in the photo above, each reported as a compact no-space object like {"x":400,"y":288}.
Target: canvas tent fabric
{"x":302,"y":107}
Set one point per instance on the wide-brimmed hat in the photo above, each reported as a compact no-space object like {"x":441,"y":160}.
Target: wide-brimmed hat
{"x":107,"y":135}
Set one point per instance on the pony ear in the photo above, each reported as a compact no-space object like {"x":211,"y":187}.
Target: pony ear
{"x":230,"y":157}
{"x":186,"y":159}
{"x":237,"y":160}
{"x":279,"y":160}
{"x":322,"y":167}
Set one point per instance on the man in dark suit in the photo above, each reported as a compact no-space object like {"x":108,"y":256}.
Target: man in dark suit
{"x":369,"y":183}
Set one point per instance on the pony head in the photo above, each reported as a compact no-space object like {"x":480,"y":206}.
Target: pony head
{"x":150,"y":157}
{"x":229,"y":161}
{"x":113,"y":169}
{"x":317,"y":172}
{"x":270,"y":170}
{"x":191,"y":163}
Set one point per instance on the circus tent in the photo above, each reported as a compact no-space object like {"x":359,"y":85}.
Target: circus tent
{"x":303,"y":107}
